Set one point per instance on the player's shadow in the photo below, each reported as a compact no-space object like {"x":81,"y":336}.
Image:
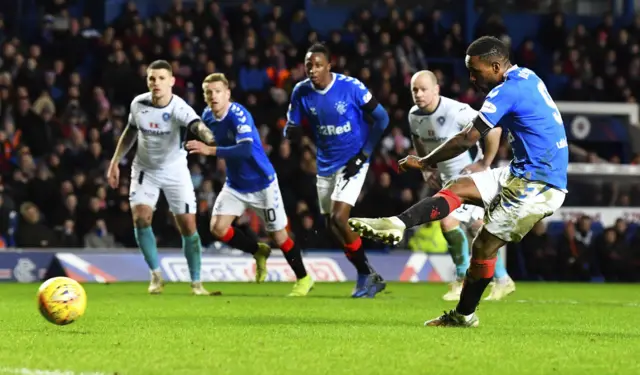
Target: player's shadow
{"x":289,"y":321}
{"x":58,"y":331}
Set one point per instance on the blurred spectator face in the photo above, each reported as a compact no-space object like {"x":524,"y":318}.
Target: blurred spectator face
{"x":94,"y":204}
{"x":385,"y":180}
{"x":217,"y":96}
{"x":71,"y":202}
{"x":253,"y":61}
{"x":406,"y":196}
{"x":228,"y":59}
{"x":79,"y":179}
{"x":621,"y":226}
{"x":95,"y":149}
{"x":58,"y":67}
{"x":301,"y":207}
{"x":160,"y":82}
{"x":123,"y":191}
{"x":285,"y":150}
{"x":188,"y":27}
{"x":610,"y":236}
{"x":9,"y":127}
{"x":66,"y":188}
{"x":584,"y":224}
{"x":23,"y":106}
{"x":101,"y":225}
{"x":31,"y":214}
{"x":26,"y":163}
{"x":424,"y":90}
{"x":69,"y":226}
{"x":124,"y":206}
{"x":101,"y":193}
{"x":307,"y":222}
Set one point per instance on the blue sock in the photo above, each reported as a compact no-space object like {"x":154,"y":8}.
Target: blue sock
{"x":146,"y":241}
{"x":193,"y":252}
{"x":501,"y":269}
{"x":459,"y":249}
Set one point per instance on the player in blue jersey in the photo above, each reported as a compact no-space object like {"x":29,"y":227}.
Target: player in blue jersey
{"x":251,"y":182}
{"x":335,"y":106}
{"x":515,"y":197}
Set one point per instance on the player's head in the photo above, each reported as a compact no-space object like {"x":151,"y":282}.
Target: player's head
{"x":217,"y":95}
{"x":317,"y":65}
{"x":425,"y":89}
{"x":160,"y":79}
{"x":487,"y":59}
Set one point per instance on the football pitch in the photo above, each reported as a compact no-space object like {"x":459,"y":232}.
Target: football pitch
{"x":252,"y":329}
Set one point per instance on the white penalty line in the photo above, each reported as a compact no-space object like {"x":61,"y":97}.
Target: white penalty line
{"x":35,"y":371}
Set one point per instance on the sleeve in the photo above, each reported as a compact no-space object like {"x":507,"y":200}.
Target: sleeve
{"x":496,"y":105}
{"x":294,"y":113}
{"x":412,"y":126}
{"x":243,"y":123}
{"x":132,"y":120}
{"x":464,"y":115}
{"x":362,"y":96}
{"x":185,"y":115}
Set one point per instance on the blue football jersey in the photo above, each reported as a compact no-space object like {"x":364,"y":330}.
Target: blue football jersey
{"x":336,"y":118}
{"x":522,"y":106}
{"x":246,"y":175}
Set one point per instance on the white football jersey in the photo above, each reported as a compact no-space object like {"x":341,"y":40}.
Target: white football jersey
{"x":159,"y":131}
{"x":433,"y":129}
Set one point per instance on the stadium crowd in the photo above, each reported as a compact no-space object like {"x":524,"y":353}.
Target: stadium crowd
{"x":64,"y":100}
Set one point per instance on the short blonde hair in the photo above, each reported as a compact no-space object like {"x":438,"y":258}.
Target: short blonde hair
{"x":216,"y":77}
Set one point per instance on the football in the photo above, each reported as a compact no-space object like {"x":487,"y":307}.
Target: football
{"x":61,"y":300}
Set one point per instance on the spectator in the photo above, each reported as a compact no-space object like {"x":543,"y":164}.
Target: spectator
{"x":98,"y":237}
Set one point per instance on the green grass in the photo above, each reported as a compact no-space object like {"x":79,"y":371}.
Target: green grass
{"x":541,"y":329}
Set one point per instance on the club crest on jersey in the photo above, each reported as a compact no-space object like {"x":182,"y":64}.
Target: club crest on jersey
{"x":341,"y":107}
{"x":313,"y":111}
{"x":441,"y":120}
{"x":166,"y":116}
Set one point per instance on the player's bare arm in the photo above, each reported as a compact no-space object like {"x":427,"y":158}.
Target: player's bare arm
{"x":202,"y":131}
{"x":200,"y":148}
{"x":491,"y":146}
{"x":126,"y":141}
{"x":456,"y":145}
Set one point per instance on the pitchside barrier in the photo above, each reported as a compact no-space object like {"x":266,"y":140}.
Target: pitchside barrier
{"x":117,"y":265}
{"x":114,"y":265}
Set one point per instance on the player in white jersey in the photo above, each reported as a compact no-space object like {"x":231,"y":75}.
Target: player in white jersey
{"x":155,"y":121}
{"x":433,"y":120}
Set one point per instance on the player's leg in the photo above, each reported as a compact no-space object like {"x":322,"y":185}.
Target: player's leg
{"x":510,"y":215}
{"x":228,"y":206}
{"x":343,"y":195}
{"x":437,"y":207}
{"x":459,"y":250}
{"x":480,"y":273}
{"x":143,"y":196}
{"x":270,"y":208}
{"x":180,"y":195}
{"x":502,"y":285}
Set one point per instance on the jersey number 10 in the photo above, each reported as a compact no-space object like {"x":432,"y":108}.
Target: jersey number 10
{"x":547,"y":99}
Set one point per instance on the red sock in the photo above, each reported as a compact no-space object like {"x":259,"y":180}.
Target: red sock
{"x":353,"y":246}
{"x":228,"y":236}
{"x":482,"y":269}
{"x":453,"y":200}
{"x":287,"y":245}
